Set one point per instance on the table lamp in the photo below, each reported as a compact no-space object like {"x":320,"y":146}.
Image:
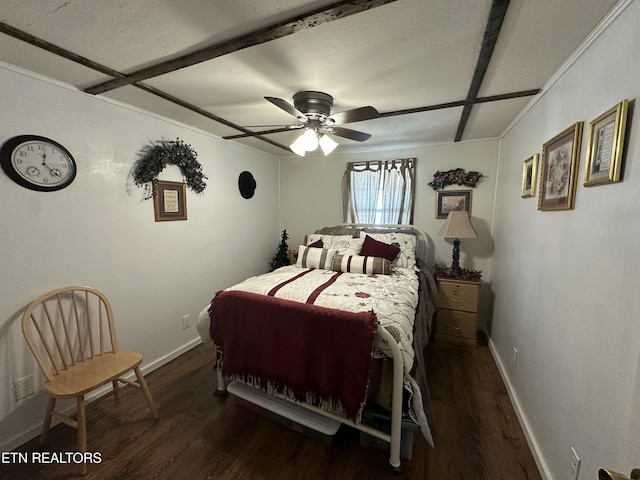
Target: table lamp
{"x":458,"y":225}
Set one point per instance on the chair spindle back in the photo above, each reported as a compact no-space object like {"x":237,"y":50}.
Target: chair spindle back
{"x":68,"y":325}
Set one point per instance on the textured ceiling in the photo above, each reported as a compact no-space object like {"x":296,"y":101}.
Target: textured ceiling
{"x":405,"y":54}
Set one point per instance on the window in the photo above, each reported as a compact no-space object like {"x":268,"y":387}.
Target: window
{"x":379,"y":192}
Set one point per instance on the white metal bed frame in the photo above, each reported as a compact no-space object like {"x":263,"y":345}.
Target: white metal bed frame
{"x":396,"y":402}
{"x":394,"y":437}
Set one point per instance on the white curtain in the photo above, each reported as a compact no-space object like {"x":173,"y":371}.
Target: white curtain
{"x":397,"y":191}
{"x":361,"y":184}
{"x":379,"y":191}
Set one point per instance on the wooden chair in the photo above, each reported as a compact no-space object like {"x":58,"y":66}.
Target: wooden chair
{"x":72,"y":335}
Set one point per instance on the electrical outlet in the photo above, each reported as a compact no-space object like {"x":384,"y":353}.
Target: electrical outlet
{"x":515,"y":356}
{"x":575,"y":464}
{"x":186,"y":321}
{"x":24,"y":387}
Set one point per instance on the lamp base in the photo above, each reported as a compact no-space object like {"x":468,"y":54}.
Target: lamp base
{"x":455,"y":258}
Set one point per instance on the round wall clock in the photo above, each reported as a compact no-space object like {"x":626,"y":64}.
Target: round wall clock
{"x":37,"y":163}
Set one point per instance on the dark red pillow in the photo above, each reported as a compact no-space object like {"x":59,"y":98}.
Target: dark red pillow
{"x":373,"y":248}
{"x":317,"y":244}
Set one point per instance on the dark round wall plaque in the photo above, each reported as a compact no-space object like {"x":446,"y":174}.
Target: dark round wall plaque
{"x":246,"y":184}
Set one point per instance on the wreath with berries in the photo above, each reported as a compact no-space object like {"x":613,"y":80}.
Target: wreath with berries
{"x":153,"y":158}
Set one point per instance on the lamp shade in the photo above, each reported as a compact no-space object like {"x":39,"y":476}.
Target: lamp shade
{"x":458,"y":225}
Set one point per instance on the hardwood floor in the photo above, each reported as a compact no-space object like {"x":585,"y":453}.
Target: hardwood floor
{"x":200,"y":436}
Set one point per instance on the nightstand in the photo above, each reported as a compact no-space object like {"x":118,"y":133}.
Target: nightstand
{"x":457,"y":317}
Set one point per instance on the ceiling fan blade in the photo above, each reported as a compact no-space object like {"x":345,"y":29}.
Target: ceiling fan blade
{"x":264,"y":132}
{"x":277,"y":125}
{"x":348,"y":133}
{"x":287,"y":107}
{"x":355,"y":115}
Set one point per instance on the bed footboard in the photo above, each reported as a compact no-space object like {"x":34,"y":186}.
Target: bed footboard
{"x":221,"y":389}
{"x":394,"y":437}
{"x":396,"y":401}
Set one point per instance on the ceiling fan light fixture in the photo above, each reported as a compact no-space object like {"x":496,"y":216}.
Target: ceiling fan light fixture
{"x":327,"y":144}
{"x":298,"y":146}
{"x":313,"y":110}
{"x":310,"y":139}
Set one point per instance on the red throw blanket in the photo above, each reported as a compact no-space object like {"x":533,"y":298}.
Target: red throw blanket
{"x":319,"y":355}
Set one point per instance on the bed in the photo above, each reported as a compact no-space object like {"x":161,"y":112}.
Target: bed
{"x":359,"y":303}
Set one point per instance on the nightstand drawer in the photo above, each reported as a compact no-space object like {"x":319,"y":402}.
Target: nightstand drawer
{"x":459,"y":296}
{"x":456,"y":324}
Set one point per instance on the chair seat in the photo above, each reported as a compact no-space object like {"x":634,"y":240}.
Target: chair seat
{"x":92,"y":373}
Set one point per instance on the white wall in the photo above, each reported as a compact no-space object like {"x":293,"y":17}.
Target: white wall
{"x":311,"y":192}
{"x":567,"y":282}
{"x":311,"y":197}
{"x":98,"y":231}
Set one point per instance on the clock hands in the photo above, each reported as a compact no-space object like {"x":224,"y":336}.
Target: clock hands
{"x":54,"y":172}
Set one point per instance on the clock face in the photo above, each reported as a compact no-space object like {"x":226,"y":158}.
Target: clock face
{"x":38,"y":163}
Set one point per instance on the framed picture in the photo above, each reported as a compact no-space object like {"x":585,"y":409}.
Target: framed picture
{"x":605,"y":146}
{"x":529,"y":176}
{"x":559,"y":171}
{"x":452,"y":200}
{"x":169,"y":201}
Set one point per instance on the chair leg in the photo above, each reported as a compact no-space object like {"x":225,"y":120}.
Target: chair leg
{"x":81,"y":419}
{"x":115,"y":390}
{"x":145,"y":390}
{"x":47,"y":420}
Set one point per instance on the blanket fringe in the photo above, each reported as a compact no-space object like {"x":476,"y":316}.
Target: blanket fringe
{"x":329,"y":405}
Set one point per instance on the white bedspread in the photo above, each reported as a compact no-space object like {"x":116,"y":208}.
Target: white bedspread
{"x":393,"y":298}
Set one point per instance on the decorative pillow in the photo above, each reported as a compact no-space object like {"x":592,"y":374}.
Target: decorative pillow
{"x":326,"y":239}
{"x":317,"y":244}
{"x":375,"y":248}
{"x":360,"y":264}
{"x":407,"y":256}
{"x":309,"y":257}
{"x":346,"y":245}
{"x":314,"y":237}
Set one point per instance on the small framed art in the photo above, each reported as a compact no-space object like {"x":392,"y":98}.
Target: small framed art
{"x":605,"y":146}
{"x":559,"y":171}
{"x":449,"y":201}
{"x":529,"y":176}
{"x":169,"y":201}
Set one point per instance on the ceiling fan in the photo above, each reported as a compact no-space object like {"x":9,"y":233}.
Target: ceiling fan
{"x":313,"y":110}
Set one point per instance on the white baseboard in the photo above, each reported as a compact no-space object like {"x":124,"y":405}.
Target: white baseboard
{"x":35,"y":429}
{"x":522,"y":418}
{"x":150,"y":367}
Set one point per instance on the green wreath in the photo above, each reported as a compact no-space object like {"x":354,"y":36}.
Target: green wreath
{"x":461,"y":273}
{"x":153,"y":158}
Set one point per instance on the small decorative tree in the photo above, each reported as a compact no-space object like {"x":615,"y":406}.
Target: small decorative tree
{"x":281,"y":258}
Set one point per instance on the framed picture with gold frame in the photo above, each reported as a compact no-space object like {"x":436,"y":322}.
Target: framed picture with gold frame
{"x":169,"y":201}
{"x":529,"y":176}
{"x":605,"y":146}
{"x":559,"y":169}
